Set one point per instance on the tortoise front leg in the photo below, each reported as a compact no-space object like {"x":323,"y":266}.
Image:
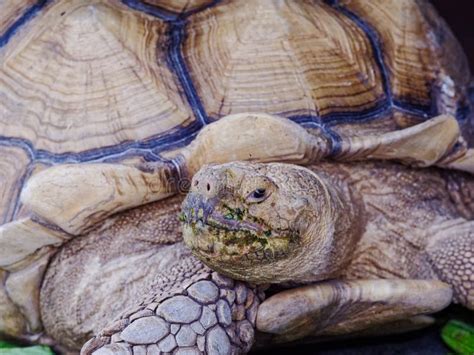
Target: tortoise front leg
{"x":344,"y":307}
{"x":203,"y":314}
{"x":450,"y":251}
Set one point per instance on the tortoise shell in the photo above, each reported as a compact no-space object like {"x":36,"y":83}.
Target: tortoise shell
{"x":89,"y":81}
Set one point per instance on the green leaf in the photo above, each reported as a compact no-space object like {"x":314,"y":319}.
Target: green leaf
{"x":459,"y":336}
{"x":6,"y":345}
{"x":7,"y":348}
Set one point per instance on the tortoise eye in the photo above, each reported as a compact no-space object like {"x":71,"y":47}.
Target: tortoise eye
{"x":258,"y":195}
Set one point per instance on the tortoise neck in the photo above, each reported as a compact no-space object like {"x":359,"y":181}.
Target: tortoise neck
{"x":336,"y":228}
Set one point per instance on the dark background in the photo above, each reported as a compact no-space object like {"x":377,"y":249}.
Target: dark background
{"x":459,"y":14}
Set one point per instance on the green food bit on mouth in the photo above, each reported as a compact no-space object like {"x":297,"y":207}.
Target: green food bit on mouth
{"x":236,"y":213}
{"x":247,"y":235}
{"x":231,"y":242}
{"x":240,"y":238}
{"x":200,"y":213}
{"x":194,"y":228}
{"x":263,"y":242}
{"x":182,"y":217}
{"x":250,"y":238}
{"x":239,"y":213}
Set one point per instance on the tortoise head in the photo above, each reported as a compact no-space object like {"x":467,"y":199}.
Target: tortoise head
{"x":262,"y":222}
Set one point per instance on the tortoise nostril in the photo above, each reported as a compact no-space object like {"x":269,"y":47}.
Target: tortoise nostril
{"x":208,"y":187}
{"x":196,"y":183}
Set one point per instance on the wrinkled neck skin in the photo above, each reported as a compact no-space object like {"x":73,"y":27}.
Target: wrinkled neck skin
{"x":329,"y":234}
{"x":328,"y":228}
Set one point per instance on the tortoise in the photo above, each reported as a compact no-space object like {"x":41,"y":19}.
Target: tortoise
{"x":383,"y":233}
{"x":110,"y":108}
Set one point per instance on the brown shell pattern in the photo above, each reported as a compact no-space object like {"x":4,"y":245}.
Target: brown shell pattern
{"x":85,"y":81}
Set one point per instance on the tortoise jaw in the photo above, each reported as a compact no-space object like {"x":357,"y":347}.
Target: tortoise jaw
{"x":198,"y":210}
{"x":218,"y":247}
{"x":218,"y":233}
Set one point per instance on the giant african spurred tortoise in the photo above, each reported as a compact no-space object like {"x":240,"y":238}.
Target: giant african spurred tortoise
{"x":109,"y":108}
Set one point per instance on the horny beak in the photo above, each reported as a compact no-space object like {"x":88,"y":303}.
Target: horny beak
{"x":197,"y":208}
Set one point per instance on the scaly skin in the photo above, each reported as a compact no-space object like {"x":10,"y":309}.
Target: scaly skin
{"x":350,"y":221}
{"x":136,"y":267}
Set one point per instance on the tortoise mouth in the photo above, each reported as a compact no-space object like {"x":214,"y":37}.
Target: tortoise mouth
{"x":222,"y":233}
